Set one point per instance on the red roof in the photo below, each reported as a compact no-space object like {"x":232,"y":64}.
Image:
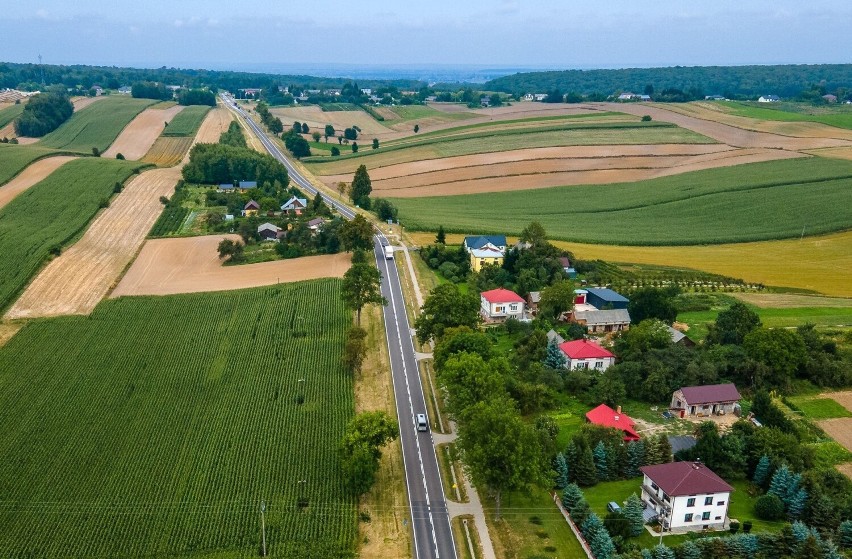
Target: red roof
{"x":710,"y":393}
{"x":686,"y":478}
{"x":502,"y":296}
{"x":608,"y":417}
{"x":584,"y":349}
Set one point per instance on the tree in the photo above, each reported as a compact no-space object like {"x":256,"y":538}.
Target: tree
{"x":591,"y":526}
{"x":617,"y":525}
{"x":571,"y":496}
{"x":781,"y":483}
{"x":500,"y":451}
{"x":316,"y":136}
{"x":441,"y":237}
{"x":662,"y":551}
{"x":844,"y":533}
{"x":580,"y":511}
{"x":416,"y":128}
{"x":554,"y":359}
{"x":350,"y":134}
{"x":446,"y":307}
{"x":584,"y":471}
{"x":461,"y":339}
{"x":599,"y":456}
{"x":560,"y":466}
{"x":231,"y":249}
{"x":761,"y":471}
{"x":601,"y":545}
{"x":609,"y":389}
{"x":732,"y":325}
{"x":557,"y":299}
{"x":633,"y":514}
{"x":354,"y":349}
{"x":534,"y":234}
{"x":635,"y":458}
{"x":782,"y":350}
{"x":305,"y":128}
{"x":468,"y":379}
{"x":335,"y":151}
{"x":329,"y":131}
{"x":375,"y":143}
{"x":361,"y":286}
{"x":354,"y":147}
{"x":356,"y":234}
{"x":361,"y":188}
{"x":361,"y":446}
{"x":650,"y":302}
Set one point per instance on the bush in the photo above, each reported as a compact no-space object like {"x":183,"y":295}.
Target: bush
{"x":119,"y":156}
{"x":747,"y":526}
{"x":734,"y":527}
{"x":335,"y":151}
{"x":96,"y":152}
{"x":769,"y":507}
{"x":646,"y":118}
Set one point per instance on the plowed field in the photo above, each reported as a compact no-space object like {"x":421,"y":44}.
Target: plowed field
{"x":138,"y":136}
{"x":839,"y":429}
{"x":316,"y":119}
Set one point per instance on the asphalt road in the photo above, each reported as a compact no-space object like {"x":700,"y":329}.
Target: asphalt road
{"x":430,"y":522}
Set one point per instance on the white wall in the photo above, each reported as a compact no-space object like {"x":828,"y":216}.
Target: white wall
{"x":679,"y":505}
{"x":507,"y":310}
{"x":596,"y":364}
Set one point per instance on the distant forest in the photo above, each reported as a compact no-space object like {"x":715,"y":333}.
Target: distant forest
{"x":730,"y":81}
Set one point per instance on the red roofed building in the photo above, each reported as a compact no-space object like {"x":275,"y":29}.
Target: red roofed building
{"x":607,"y":417}
{"x":686,"y":496}
{"x":583,"y":354}
{"x":500,"y":304}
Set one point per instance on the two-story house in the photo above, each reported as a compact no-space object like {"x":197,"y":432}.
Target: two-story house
{"x":685,"y":496}
{"x":499,"y":304}
{"x":488,"y":254}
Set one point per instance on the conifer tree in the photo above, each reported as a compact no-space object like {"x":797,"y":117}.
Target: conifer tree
{"x":633,"y":513}
{"x":845,"y":534}
{"x":664,"y":449}
{"x":561,"y":468}
{"x":761,"y":471}
{"x":662,"y":551}
{"x":635,"y":458}
{"x":599,"y":455}
{"x":554,"y":359}
{"x":780,"y":484}
{"x":615,"y":457}
{"x":580,"y":511}
{"x":689,"y":550}
{"x":441,"y":237}
{"x":796,"y":503}
{"x":591,"y":526}
{"x":584,"y":472}
{"x":601,"y":545}
{"x":571,"y":496}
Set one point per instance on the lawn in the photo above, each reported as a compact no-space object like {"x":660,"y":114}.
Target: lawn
{"x":839,"y":116}
{"x":157,"y":426}
{"x":750,"y":202}
{"x":9,"y":114}
{"x":817,"y":408}
{"x":97,"y":125}
{"x":15,"y":158}
{"x":772,"y":318}
{"x":187,"y":122}
{"x":51,"y":213}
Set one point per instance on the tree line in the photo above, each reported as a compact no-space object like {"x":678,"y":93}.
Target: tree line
{"x":43,"y":113}
{"x":220,"y":163}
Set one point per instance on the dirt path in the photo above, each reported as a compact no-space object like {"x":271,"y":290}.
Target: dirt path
{"x":31,"y":175}
{"x":191,"y":264}
{"x":138,"y":136}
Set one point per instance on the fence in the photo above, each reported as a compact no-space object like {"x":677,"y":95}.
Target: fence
{"x":583,"y":543}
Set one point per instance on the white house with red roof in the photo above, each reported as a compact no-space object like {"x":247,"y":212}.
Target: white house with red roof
{"x":607,"y":417}
{"x":584,"y":354}
{"x":500,"y":304}
{"x":686,"y":496}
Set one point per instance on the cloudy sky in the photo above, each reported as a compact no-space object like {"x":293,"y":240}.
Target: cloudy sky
{"x":531,"y":33}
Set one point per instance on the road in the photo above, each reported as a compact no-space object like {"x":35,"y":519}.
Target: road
{"x":430,"y":521}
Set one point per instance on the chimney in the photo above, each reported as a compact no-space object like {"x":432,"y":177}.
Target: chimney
{"x":618,"y":410}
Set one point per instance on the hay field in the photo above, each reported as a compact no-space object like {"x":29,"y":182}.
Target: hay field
{"x":316,"y":119}
{"x":216,"y":122}
{"x":792,"y":301}
{"x":168,"y":151}
{"x":192,"y":264}
{"x":97,"y":125}
{"x":31,"y":175}
{"x":138,"y":136}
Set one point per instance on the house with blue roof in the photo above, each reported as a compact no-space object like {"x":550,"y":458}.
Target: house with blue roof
{"x":479,"y":241}
{"x":604,"y":299}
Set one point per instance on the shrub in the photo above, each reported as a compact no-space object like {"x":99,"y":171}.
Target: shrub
{"x":119,"y":156}
{"x":96,"y":152}
{"x":734,"y":527}
{"x":747,"y":526}
{"x":335,"y":151}
{"x":646,"y":118}
{"x":769,"y":507}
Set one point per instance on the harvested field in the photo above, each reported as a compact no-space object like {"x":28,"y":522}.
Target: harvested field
{"x":34,"y":173}
{"x":138,"y":136}
{"x":97,"y":125}
{"x":316,"y":119}
{"x":836,"y":153}
{"x":842,"y":398}
{"x":214,"y":124}
{"x":81,"y":103}
{"x":790,"y":301}
{"x":168,"y":151}
{"x":192,"y":264}
{"x":7,"y":331}
{"x":838,"y":429}
{"x":845,"y":469}
{"x":77,"y":280}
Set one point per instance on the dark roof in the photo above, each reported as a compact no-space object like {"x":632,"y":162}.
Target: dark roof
{"x":710,"y":393}
{"x":685,"y":478}
{"x":252,"y":205}
{"x":607,"y":294}
{"x":682,"y":442}
{"x":248,"y":184}
{"x":482,"y":240}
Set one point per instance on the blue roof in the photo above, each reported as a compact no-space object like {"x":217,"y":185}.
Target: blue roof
{"x":607,"y":294}
{"x":226,"y":186}
{"x":248,"y":184}
{"x":474,"y":242}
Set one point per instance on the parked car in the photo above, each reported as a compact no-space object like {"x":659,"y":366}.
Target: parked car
{"x":612,"y":506}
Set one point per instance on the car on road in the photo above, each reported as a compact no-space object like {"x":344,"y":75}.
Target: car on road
{"x":422,"y":424}
{"x":388,"y":252}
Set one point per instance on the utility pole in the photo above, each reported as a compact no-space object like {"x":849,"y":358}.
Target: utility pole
{"x":263,"y":525}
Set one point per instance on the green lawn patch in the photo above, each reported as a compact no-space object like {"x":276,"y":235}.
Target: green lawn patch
{"x":415,"y":112}
{"x":157,"y":425}
{"x":773,"y":318}
{"x":817,"y":408}
{"x":750,"y":202}
{"x":742,"y":507}
{"x":839,"y":116}
{"x":187,"y":122}
{"x":9,"y":114}
{"x":48,"y":215}
{"x":15,"y":158}
{"x":97,"y":125}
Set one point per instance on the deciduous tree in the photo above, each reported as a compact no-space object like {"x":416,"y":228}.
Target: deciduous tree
{"x":446,"y":307}
{"x":356,"y":234}
{"x":361,"y":286}
{"x":361,"y":188}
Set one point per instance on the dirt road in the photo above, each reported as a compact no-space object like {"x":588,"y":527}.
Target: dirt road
{"x":31,"y":175}
{"x":138,"y":136}
{"x":192,"y":264}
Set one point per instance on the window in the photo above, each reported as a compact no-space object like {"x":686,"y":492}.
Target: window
{"x":598,"y":364}
{"x":720,"y":503}
{"x":582,"y":365}
{"x":690,"y":502}
{"x":688,"y":518}
{"x":706,"y":516}
{"x":718,"y":518}
{"x":708,"y":501}
{"x":654,"y":486}
{"x":513,"y":308}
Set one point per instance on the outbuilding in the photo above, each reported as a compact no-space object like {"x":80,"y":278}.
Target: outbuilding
{"x":707,"y":400}
{"x":584,"y":354}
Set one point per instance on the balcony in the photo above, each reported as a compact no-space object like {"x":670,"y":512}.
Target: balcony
{"x":665,"y":507}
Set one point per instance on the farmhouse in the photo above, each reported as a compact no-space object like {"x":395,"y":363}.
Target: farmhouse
{"x":487,"y":254}
{"x":583,"y":354}
{"x":294,"y":205}
{"x":567,"y":267}
{"x":499,"y":304}
{"x":686,"y":496}
{"x":528,"y":97}
{"x":316,"y":224}
{"x":225,"y":187}
{"x":498,"y":241}
{"x":768,"y":99}
{"x":244,"y":186}
{"x":614,"y":418}
{"x":366,"y":91}
{"x":703,"y":401}
{"x":251,"y":208}
{"x":829,"y":98}
{"x":627,"y":96}
{"x":603,"y":322}
{"x":269,"y":232}
{"x":714,"y":98}
{"x":540,"y":96}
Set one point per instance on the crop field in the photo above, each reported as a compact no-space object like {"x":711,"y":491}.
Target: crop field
{"x":10,"y":113}
{"x":167,"y":152}
{"x":138,"y":136}
{"x":759,"y":201}
{"x":15,"y":158}
{"x":839,"y":116}
{"x":179,"y":416}
{"x":30,"y":176}
{"x":50,"y":214}
{"x":98,"y":125}
{"x":187,"y":122}
{"x":316,"y":119}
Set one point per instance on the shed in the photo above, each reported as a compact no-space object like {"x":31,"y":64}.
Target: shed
{"x":603,"y":298}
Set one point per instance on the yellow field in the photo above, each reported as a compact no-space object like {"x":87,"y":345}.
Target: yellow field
{"x":168,"y":151}
{"x":822,"y":264}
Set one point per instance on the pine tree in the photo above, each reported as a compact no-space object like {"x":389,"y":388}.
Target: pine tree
{"x":845,"y":534}
{"x":647,"y":553}
{"x":796,"y":503}
{"x":809,"y":549}
{"x":652,"y":453}
{"x":601,"y":545}
{"x":688,"y":550}
{"x":599,"y":455}
{"x":591,"y":526}
{"x":761,"y":471}
{"x":571,"y":457}
{"x":615,"y":457}
{"x":584,"y":471}
{"x":800,"y":531}
{"x":829,"y":550}
{"x":633,"y":512}
{"x":561,"y":468}
{"x":664,"y":449}
{"x":441,"y":238}
{"x":571,"y":496}
{"x":635,"y":458}
{"x":554,"y":359}
{"x":662,"y":551}
{"x":780,"y":484}
{"x":580,"y":511}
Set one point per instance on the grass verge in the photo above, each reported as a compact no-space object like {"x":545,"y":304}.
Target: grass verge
{"x":451,"y":473}
{"x":466,"y":537}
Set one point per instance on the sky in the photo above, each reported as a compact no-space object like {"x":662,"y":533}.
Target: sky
{"x":549,"y":34}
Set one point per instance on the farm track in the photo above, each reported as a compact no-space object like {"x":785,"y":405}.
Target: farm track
{"x":138,"y":136}
{"x":192,"y":265}
{"x":31,"y":175}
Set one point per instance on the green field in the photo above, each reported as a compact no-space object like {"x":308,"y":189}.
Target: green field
{"x":817,"y":408}
{"x":773,"y":318}
{"x":156,"y":426}
{"x":420,"y":112}
{"x":759,"y":201}
{"x":98,"y":125}
{"x":9,"y":114}
{"x":50,"y":214}
{"x":839,"y":116}
{"x":15,"y":158}
{"x":187,"y":122}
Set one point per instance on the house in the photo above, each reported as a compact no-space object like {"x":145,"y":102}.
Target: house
{"x":332,"y":92}
{"x":681,"y":442}
{"x":528,"y":97}
{"x":603,"y":322}
{"x":98,"y":90}
{"x":679,"y":338}
{"x":830,"y":98}
{"x":567,"y":267}
{"x":225,"y":187}
{"x":251,"y":208}
{"x":584,"y":354}
{"x":125,"y":90}
{"x":229,"y":217}
{"x":686,"y":496}
{"x":540,"y":96}
{"x":485,"y":102}
{"x":269,"y":232}
{"x":644,"y":97}
{"x":714,"y":98}
{"x":607,"y":417}
{"x":533,"y":299}
{"x":603,"y":298}
{"x":553,"y":336}
{"x":627,"y":96}
{"x":316,"y":224}
{"x":295,"y":205}
{"x":366,"y":91}
{"x":703,"y":401}
{"x":488,"y":254}
{"x":768,"y":99}
{"x":499,"y":241}
{"x":500,"y":304}
{"x":251,"y":91}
